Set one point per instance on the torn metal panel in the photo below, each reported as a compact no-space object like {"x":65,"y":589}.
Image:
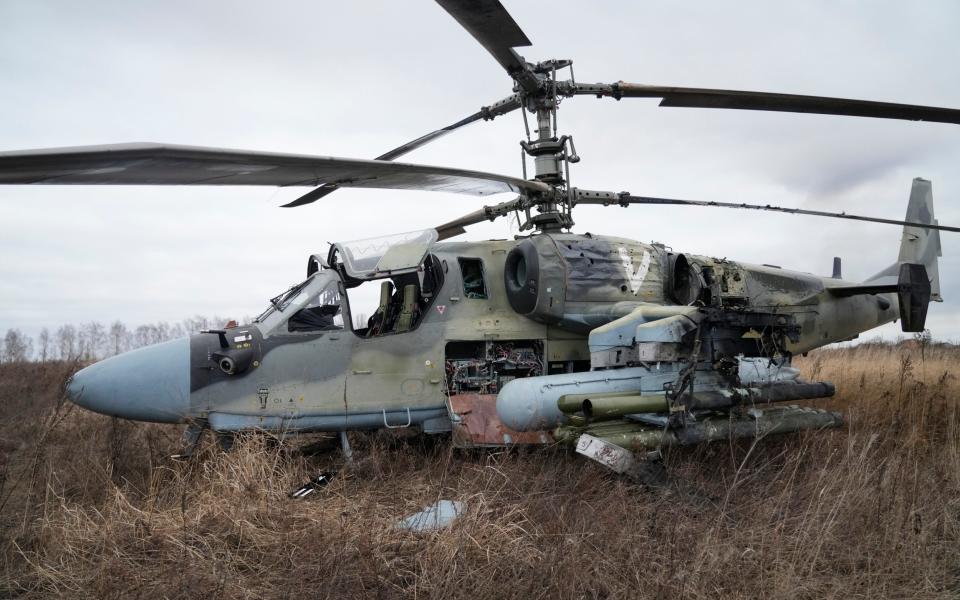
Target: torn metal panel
{"x":646,"y":469}
{"x":609,"y":455}
{"x":476,"y":424}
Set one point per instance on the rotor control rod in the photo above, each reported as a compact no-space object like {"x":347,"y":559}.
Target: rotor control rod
{"x":487,"y":213}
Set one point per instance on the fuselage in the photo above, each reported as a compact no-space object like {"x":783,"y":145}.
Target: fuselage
{"x":477,"y":314}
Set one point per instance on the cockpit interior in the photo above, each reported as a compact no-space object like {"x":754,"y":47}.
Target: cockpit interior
{"x":409,"y":280}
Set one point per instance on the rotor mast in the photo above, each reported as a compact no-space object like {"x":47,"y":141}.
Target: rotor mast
{"x":551,"y":154}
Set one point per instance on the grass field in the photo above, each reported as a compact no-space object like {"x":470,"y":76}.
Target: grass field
{"x":91,"y":507}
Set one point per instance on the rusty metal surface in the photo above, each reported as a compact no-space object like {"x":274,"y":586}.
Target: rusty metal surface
{"x":475,"y":424}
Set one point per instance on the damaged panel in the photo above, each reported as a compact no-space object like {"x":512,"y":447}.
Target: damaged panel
{"x":609,"y":269}
{"x":771,"y":286}
{"x":476,"y":424}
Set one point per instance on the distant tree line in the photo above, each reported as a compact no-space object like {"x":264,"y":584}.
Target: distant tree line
{"x":94,"y":341}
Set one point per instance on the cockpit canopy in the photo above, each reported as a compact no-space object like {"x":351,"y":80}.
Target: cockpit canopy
{"x":386,"y":256}
{"x":411,"y":278}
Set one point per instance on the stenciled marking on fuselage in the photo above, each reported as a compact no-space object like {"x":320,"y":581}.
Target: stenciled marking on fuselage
{"x":263,"y":392}
{"x":634,"y":278}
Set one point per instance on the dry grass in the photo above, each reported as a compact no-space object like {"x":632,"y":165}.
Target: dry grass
{"x":92,"y":508}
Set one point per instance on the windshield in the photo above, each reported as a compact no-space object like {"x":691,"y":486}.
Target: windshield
{"x":282,"y":300}
{"x":319,"y":293}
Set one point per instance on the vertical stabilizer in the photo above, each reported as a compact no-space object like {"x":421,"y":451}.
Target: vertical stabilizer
{"x":918,"y":245}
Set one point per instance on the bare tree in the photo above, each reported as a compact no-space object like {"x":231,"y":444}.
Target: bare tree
{"x":151,"y":333}
{"x":67,"y":342}
{"x":118,"y":338}
{"x":17,"y":347}
{"x":44,"y":349}
{"x":197,"y":323}
{"x":93,"y":338}
{"x":176,"y":332}
{"x":93,"y":341}
{"x":143,"y":336}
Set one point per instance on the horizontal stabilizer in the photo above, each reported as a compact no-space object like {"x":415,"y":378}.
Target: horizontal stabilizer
{"x":913,"y":291}
{"x":863,"y":289}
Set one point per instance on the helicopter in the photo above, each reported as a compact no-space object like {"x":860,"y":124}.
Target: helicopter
{"x":549,"y":337}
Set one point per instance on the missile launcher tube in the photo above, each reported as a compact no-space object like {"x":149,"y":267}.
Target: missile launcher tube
{"x":599,"y":407}
{"x":537,"y":403}
{"x":530,"y":403}
{"x":635,"y":436}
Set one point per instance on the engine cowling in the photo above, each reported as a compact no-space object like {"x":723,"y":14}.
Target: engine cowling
{"x":534,"y":277}
{"x":578,"y":282}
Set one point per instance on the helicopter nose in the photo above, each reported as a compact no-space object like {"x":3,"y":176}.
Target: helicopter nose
{"x":147,"y":384}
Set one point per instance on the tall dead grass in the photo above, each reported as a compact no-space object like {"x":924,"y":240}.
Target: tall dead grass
{"x":92,"y":508}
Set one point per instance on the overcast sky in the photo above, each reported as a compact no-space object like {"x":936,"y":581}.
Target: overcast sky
{"x":354,"y":79}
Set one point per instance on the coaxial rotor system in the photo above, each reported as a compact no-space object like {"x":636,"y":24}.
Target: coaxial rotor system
{"x":545,"y":198}
{"x":538,"y":90}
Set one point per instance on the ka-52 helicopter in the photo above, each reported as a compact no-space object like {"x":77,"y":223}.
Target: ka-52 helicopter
{"x":554,"y":336}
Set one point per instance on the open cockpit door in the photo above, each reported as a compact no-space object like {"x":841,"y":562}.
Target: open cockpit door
{"x":375,"y":258}
{"x":398,"y":269}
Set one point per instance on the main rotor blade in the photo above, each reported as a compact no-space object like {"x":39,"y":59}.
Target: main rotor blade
{"x":745,"y":100}
{"x":159,"y":164}
{"x":624,"y":199}
{"x":486,"y":113}
{"x":490,"y":24}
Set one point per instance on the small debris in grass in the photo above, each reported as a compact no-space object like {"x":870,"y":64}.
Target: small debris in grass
{"x":433,"y":517}
{"x":313,"y":485}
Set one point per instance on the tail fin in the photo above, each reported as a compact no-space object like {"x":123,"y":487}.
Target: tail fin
{"x":918,"y":245}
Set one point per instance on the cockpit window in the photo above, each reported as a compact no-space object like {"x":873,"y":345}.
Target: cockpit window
{"x":281,"y":301}
{"x":474,"y":286}
{"x":321,"y":312}
{"x":312,"y":305}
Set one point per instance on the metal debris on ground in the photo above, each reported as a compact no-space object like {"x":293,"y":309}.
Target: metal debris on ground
{"x":648,"y":470}
{"x":433,"y":517}
{"x":313,"y":485}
